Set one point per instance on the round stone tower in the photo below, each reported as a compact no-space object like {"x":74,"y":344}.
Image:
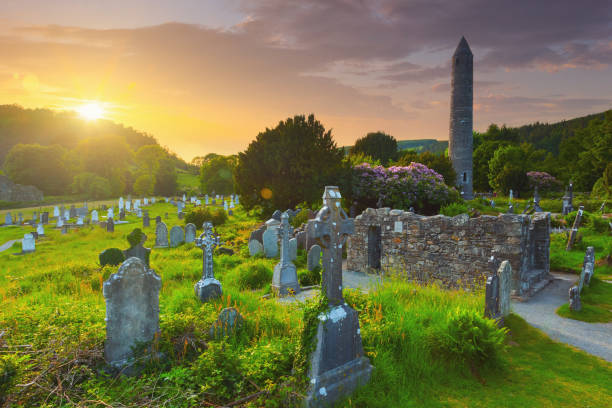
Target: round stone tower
{"x":460,"y":145}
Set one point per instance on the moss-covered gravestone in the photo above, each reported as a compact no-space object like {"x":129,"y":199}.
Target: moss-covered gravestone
{"x":136,"y":239}
{"x":111,"y":256}
{"x":132,"y":312}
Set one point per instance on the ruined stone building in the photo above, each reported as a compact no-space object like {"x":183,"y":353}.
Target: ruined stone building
{"x":460,"y":143}
{"x":453,"y":251}
{"x":10,"y":191}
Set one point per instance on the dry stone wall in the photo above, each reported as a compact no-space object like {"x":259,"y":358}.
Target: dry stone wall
{"x":453,"y":251}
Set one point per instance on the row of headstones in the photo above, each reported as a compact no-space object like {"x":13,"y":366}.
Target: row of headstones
{"x":130,"y":205}
{"x":337,"y":364}
{"x":176,"y":237}
{"x":588,"y":268}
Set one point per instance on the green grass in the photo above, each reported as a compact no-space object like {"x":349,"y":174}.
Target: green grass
{"x":571,"y":261}
{"x":52,"y":313}
{"x":187,"y":181}
{"x":596,"y":302}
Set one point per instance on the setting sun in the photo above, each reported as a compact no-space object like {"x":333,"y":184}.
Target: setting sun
{"x":91,"y":111}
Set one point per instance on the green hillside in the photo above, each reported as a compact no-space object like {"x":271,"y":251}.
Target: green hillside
{"x":418,"y":145}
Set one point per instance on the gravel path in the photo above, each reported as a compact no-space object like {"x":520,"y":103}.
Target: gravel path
{"x":8,"y":244}
{"x":539,"y":311}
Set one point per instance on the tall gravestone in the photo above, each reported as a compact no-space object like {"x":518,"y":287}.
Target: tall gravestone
{"x":208,"y":287}
{"x":270,"y":238}
{"x":190,"y":233}
{"x":313,"y":259}
{"x":56,"y":212}
{"x":94,"y":216}
{"x":574,"y":230}
{"x":337,"y":365}
{"x":284,"y":279}
{"x":146,"y":221}
{"x":161,"y":235}
{"x":110,"y":225}
{"x":72,"y":211}
{"x":132,"y":311}
{"x":177,"y":236}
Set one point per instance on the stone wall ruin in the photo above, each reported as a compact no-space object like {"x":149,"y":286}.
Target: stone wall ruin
{"x":453,"y":251}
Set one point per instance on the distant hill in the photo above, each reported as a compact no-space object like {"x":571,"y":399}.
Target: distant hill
{"x":549,"y":136}
{"x":47,"y":127}
{"x":418,"y":145}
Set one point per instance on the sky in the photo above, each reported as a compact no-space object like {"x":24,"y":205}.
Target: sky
{"x":207,"y":76}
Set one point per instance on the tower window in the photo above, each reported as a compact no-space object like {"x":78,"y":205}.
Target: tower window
{"x":464,"y":177}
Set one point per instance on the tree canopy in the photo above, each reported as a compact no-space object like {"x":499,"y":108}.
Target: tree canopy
{"x":378,"y":145}
{"x":288,"y":165}
{"x":216,"y":174}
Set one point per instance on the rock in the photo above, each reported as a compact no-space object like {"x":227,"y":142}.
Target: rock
{"x":229,"y":322}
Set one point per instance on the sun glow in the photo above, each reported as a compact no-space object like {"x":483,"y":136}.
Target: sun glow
{"x":91,"y":111}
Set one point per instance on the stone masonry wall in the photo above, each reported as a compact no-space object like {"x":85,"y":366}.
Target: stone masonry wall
{"x":10,"y":191}
{"x":454,"y":251}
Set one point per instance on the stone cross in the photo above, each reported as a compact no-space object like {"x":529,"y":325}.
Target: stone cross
{"x":208,"y":287}
{"x":284,"y":279}
{"x":138,"y":250}
{"x":330,"y":229}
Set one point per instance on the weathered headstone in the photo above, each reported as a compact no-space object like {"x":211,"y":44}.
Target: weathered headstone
{"x":588,"y":266}
{"x":284,"y":279}
{"x":80,"y":220}
{"x":258,"y":234}
{"x":270,"y":238}
{"x":66,"y":215}
{"x":292,"y":249}
{"x":255,"y":247}
{"x":110,"y":213}
{"x":313,"y":259}
{"x":338,"y":365}
{"x":574,"y":230}
{"x":504,"y":273}
{"x":208,"y":287}
{"x":146,"y":221}
{"x":492,"y":297}
{"x":132,"y":311}
{"x":40,"y":230}
{"x":45,"y":217}
{"x":136,"y":239}
{"x":574,"y":299}
{"x":181,"y":215}
{"x":301,"y":239}
{"x":110,"y":225}
{"x":157,"y":220}
{"x":161,"y":235}
{"x":56,"y":212}
{"x":73,"y":212}
{"x":120,"y":203}
{"x":122,"y":215}
{"x":8,"y":219}
{"x":28,"y":244}
{"x":59,"y":223}
{"x":568,"y":206}
{"x":190,"y":233}
{"x":229,"y":322}
{"x":94,"y":216}
{"x":177,"y":236}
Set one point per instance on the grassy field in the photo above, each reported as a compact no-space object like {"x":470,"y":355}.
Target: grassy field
{"x":596,"y":302}
{"x":52,"y":333}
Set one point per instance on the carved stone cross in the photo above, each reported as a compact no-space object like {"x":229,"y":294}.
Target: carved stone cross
{"x":330,"y":229}
{"x":207,"y":241}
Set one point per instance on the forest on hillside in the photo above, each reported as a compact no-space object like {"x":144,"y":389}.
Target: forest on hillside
{"x":60,"y":153}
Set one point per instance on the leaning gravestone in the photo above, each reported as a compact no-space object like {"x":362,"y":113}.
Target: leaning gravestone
{"x":110,"y":225}
{"x":255,"y":247}
{"x":161,"y":235}
{"x":284,"y":279}
{"x":28,"y":244}
{"x":313,"y":259}
{"x":574,"y":230}
{"x":337,"y":366}
{"x":132,"y":311}
{"x":177,"y":236}
{"x":136,"y":239}
{"x":504,"y":273}
{"x":190,"y":233}
{"x":111,"y":256}
{"x":208,"y":287}
{"x":229,"y":322}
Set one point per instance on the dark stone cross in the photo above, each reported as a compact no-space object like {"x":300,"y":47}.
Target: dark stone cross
{"x":330,"y":229}
{"x":208,"y":287}
{"x":139,"y":251}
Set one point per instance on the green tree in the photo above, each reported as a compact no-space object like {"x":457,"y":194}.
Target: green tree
{"x":144,"y":185}
{"x":148,"y":157}
{"x":102,"y":155}
{"x":166,"y":178}
{"x":91,"y":185}
{"x":377,"y":145}
{"x":216,"y":174}
{"x":288,"y":165}
{"x":509,"y":166}
{"x":40,"y":166}
{"x":481,"y":157}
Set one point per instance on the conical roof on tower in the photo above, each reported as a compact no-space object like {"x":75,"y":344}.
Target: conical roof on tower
{"x":463,"y":47}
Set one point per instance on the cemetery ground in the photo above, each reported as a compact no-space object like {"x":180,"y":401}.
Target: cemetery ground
{"x":52,"y":333}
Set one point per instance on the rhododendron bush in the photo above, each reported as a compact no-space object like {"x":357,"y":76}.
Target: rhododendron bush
{"x":401,"y":187}
{"x":543,"y":181}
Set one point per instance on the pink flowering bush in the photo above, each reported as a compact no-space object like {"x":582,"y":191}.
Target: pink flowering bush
{"x":543,"y":180}
{"x":401,"y":187}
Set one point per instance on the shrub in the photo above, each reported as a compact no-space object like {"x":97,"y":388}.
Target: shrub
{"x":219,"y":371}
{"x":8,"y":374}
{"x":471,"y":338}
{"x":454,"y":209}
{"x":300,"y":218}
{"x":589,"y":220}
{"x":111,"y":256}
{"x":415,"y":186}
{"x":310,"y":278}
{"x":199,"y":215}
{"x":543,"y":180}
{"x":254,"y":275}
